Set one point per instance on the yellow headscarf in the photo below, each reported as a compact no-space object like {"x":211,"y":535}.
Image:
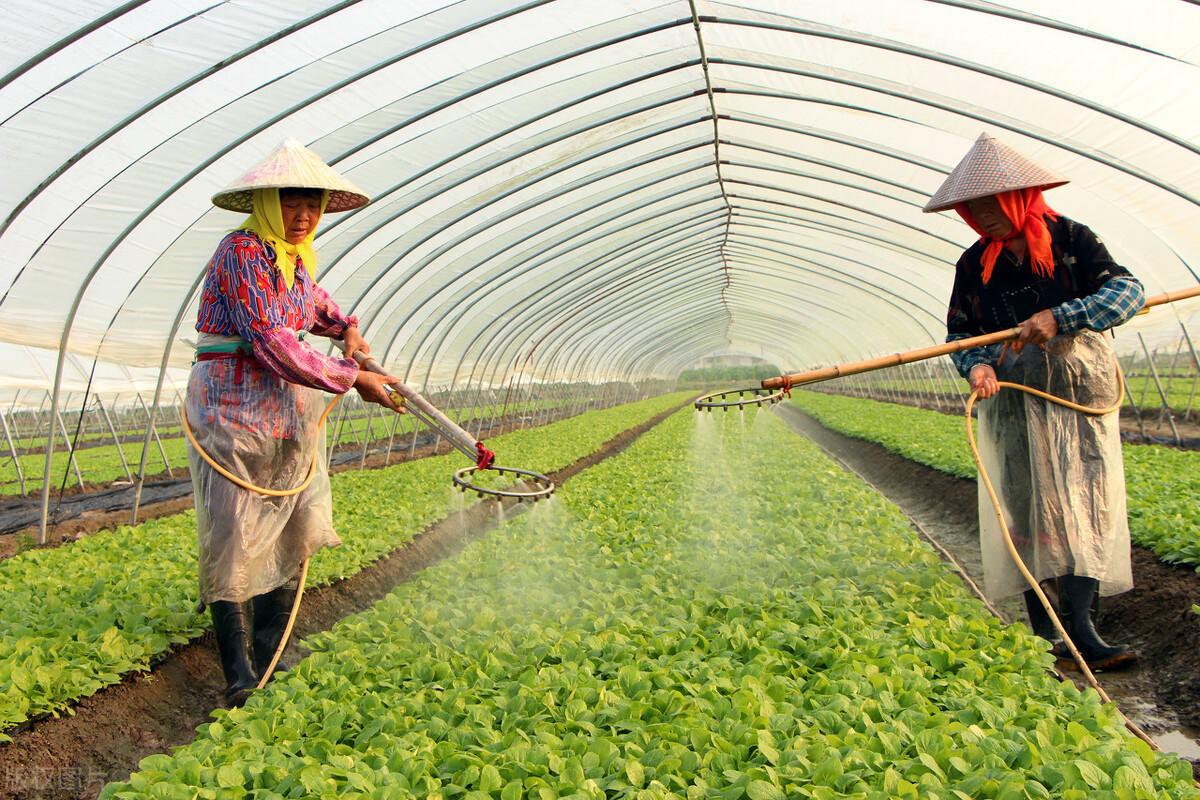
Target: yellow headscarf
{"x":267,"y":222}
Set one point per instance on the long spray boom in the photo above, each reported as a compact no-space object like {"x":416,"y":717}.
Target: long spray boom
{"x":426,"y":412}
{"x":465,"y":443}
{"x":772,"y":389}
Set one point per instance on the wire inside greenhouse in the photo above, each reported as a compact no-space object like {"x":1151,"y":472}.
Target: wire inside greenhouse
{"x":638,"y":399}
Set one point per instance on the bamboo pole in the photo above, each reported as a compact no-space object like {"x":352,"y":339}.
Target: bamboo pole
{"x":923,"y":353}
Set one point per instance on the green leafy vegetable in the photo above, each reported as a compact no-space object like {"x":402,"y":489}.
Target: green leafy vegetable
{"x":687,"y":620}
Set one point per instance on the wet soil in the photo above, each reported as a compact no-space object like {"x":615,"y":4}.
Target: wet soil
{"x":1161,"y":694}
{"x":111,"y":731}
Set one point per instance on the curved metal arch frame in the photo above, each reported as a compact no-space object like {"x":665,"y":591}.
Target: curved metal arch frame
{"x":835,"y":258}
{"x":70,"y":39}
{"x":849,"y":185}
{"x":962,"y":112}
{"x":545,"y":253}
{"x":545,"y":114}
{"x":188,"y":298}
{"x":142,"y":216}
{"x":380,"y":303}
{"x":772,"y":215}
{"x":1042,"y":22}
{"x":507,"y":159}
{"x":687,"y":316}
{"x":760,"y":66}
{"x":804,"y":31}
{"x":862,"y":211}
{"x":565,"y":304}
{"x":455,"y":312}
{"x":914,"y":52}
{"x":850,"y":282}
{"x":573,"y":289}
{"x":83,"y":32}
{"x":942,"y":58}
{"x":860,"y":187}
{"x":820,"y":268}
{"x":841,"y":168}
{"x":468,"y":348}
{"x":294,"y":108}
{"x":772,"y":66}
{"x":808,"y":132}
{"x":164,"y":97}
{"x":678,"y":284}
{"x":794,"y":173}
{"x":767,"y":336}
{"x":569,"y":337}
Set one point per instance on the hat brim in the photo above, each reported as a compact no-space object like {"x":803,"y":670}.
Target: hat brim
{"x":242,"y":199}
{"x":949,"y":203}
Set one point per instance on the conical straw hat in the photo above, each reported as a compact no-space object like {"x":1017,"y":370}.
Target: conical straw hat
{"x":990,"y":167}
{"x":291,"y":165}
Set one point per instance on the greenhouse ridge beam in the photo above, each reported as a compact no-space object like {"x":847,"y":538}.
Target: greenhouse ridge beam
{"x":716,"y":140}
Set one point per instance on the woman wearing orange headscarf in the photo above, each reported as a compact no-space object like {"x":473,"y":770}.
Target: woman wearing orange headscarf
{"x":1059,"y":473}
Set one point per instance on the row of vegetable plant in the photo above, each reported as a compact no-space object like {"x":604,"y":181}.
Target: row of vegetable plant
{"x":689,"y":620}
{"x":89,"y":438}
{"x":97,"y":465}
{"x":1182,"y":391}
{"x":75,"y":618}
{"x":1162,"y":483}
{"x":102,"y":464}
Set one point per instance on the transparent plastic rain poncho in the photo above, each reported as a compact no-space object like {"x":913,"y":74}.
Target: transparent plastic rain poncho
{"x":1058,"y":473}
{"x":266,"y":430}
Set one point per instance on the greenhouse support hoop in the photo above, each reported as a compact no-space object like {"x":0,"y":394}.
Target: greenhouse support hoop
{"x":1166,"y":404}
{"x":12,"y":451}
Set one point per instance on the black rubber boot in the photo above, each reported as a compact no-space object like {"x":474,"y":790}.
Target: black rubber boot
{"x":1080,"y":595}
{"x":271,"y":612}
{"x":232,"y":624}
{"x":1039,"y":620}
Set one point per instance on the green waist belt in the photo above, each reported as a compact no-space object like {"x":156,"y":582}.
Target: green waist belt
{"x":242,"y":347}
{"x":238,"y":346}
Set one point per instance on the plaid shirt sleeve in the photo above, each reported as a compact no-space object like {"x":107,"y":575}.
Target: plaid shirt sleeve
{"x":966,"y":360}
{"x":1111,"y":305}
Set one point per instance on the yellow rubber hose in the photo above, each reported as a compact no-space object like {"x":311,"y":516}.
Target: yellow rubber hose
{"x":1008,"y":542}
{"x":312,"y":471}
{"x":245,"y":484}
{"x":287,"y":631}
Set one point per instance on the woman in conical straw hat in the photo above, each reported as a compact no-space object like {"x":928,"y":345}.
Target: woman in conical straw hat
{"x":1059,"y":473}
{"x":255,"y":398}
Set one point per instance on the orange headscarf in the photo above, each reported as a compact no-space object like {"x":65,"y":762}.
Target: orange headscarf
{"x":1026,"y":210}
